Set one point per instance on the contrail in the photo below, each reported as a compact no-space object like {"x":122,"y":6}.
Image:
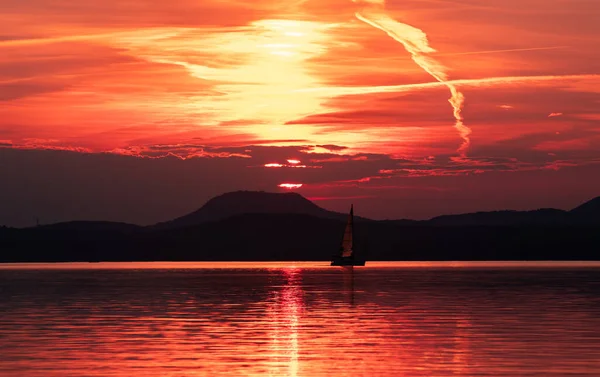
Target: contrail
{"x":482,"y":52}
{"x":487,"y":81}
{"x":415,"y":42}
{"x":152,"y":34}
{"x":502,"y":51}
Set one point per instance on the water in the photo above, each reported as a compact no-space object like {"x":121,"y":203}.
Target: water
{"x":300,"y":319}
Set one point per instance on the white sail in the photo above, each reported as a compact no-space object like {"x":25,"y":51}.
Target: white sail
{"x":347,"y":243}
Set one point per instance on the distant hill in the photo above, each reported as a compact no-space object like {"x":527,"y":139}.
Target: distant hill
{"x":264,"y":226}
{"x":263,"y":237}
{"x":586,"y":214}
{"x":588,"y":211}
{"x":546,"y":216}
{"x":258,"y":202}
{"x":97,"y":226}
{"x":251,"y":202}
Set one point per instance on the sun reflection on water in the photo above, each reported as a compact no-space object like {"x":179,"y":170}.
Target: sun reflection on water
{"x":298,"y":319}
{"x":283,"y":313}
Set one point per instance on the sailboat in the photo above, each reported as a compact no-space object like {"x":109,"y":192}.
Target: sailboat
{"x":347,"y":256}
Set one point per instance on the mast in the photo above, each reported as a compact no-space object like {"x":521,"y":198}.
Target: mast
{"x":352,"y":227}
{"x":347,"y":241}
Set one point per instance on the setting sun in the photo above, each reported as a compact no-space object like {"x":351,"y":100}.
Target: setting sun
{"x":355,"y":98}
{"x":290,"y":186}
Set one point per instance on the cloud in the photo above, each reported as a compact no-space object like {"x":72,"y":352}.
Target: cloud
{"x":328,"y":198}
{"x":331,"y":147}
{"x":75,"y":183}
{"x":17,"y":90}
{"x":181,"y":151}
{"x":240,"y":85}
{"x":415,"y":42}
{"x":145,"y":13}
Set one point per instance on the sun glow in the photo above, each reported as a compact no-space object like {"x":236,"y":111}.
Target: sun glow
{"x":290,"y":164}
{"x":260,"y":83}
{"x":290,"y":186}
{"x":213,"y":78}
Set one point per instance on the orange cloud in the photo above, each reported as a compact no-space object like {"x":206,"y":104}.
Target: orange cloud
{"x":216,"y":79}
{"x":415,"y":42}
{"x":327,"y":198}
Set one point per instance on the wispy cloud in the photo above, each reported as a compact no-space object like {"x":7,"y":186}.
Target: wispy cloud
{"x":415,"y":42}
{"x":268,"y":82}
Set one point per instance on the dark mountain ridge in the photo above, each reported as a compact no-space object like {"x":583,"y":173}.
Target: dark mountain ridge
{"x":543,"y":216}
{"x":259,"y":202}
{"x":289,"y":227}
{"x":589,"y":210}
{"x":98,"y":226}
{"x":251,"y":202}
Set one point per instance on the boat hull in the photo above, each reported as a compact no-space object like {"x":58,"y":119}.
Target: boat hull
{"x":347,"y":261}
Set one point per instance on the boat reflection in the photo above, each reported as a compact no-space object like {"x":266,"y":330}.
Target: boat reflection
{"x":348,"y":273}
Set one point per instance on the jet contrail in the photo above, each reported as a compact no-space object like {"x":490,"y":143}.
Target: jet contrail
{"x":415,"y":42}
{"x":487,"y":81}
{"x":482,"y":52}
{"x":152,"y":34}
{"x":502,"y":51}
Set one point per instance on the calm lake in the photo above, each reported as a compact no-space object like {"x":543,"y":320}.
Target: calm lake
{"x":300,"y":319}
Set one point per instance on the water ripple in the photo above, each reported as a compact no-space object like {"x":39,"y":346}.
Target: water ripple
{"x":300,"y":321}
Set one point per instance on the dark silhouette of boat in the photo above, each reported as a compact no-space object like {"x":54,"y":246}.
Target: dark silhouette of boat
{"x":347,"y":255}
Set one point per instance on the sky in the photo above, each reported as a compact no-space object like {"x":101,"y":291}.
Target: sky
{"x":141,"y":111}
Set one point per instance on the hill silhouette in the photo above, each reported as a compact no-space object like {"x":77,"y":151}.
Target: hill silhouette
{"x":545,"y":216}
{"x":250,"y":202}
{"x":91,"y":226}
{"x":289,"y":227}
{"x":588,"y":211}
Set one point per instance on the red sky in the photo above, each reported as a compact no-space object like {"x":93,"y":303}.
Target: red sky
{"x":356,"y":91}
